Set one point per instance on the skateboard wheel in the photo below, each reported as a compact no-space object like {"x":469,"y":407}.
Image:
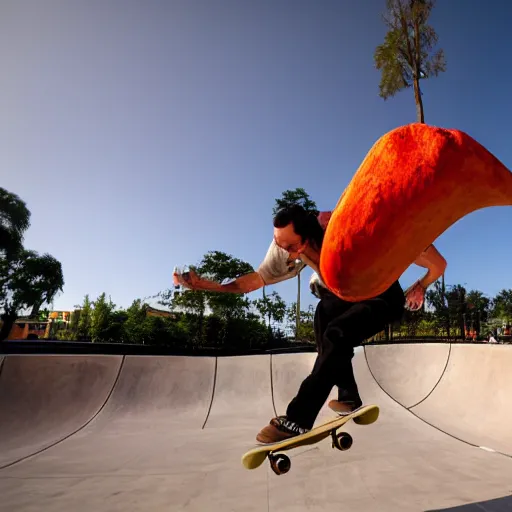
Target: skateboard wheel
{"x":280,"y":464}
{"x":342,"y":441}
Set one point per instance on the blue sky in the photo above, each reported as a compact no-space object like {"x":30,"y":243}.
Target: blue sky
{"x":144,"y":134}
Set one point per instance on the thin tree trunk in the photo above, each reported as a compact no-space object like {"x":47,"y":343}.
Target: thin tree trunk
{"x":419,"y":103}
{"x":35,"y":309}
{"x":417,"y":72}
{"x":413,"y":59}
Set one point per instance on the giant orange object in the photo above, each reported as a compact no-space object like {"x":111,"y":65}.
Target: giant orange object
{"x":415,"y":182}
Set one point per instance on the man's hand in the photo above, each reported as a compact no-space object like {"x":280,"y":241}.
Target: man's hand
{"x":414,"y":296}
{"x":192,"y":281}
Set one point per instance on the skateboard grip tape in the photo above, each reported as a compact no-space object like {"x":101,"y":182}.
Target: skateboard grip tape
{"x":415,"y":182}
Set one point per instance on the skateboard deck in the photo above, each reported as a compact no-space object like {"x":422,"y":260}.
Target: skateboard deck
{"x":280,"y":463}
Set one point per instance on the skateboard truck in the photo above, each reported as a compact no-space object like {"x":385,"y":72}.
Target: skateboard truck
{"x":281,"y":463}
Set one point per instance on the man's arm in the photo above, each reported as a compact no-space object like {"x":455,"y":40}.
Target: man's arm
{"x":243,"y":284}
{"x":435,"y":264}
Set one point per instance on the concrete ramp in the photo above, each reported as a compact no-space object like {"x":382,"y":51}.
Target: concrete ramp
{"x":243,"y":393}
{"x":160,"y":390}
{"x":408,"y":373}
{"x":473,"y":400}
{"x":464,"y":390}
{"x":143,"y":433}
{"x":45,"y":399}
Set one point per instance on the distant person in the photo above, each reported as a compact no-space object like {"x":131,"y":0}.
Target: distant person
{"x":339,"y":325}
{"x":492,"y":339}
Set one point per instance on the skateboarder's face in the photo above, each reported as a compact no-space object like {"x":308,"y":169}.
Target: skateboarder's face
{"x":287,"y":239}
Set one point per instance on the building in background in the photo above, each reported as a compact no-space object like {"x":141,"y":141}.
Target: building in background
{"x":45,"y":326}
{"x":48,"y":323}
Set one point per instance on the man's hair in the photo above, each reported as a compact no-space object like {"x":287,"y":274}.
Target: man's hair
{"x":305,"y":223}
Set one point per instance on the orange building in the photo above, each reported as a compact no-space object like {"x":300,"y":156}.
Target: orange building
{"x":160,"y":312}
{"x":26,"y":328}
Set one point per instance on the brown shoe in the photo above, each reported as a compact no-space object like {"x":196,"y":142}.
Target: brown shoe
{"x":279,"y":429}
{"x":344,"y":408}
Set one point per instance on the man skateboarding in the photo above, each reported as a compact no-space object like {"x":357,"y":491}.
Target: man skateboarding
{"x":339,"y":325}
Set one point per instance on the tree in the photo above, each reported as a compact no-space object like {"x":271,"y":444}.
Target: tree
{"x":502,"y":305}
{"x":412,"y":321}
{"x":296,"y":196}
{"x":272,"y":307}
{"x":73,"y":322}
{"x":115,"y":331}
{"x":305,"y":331}
{"x":26,"y":279}
{"x":457,"y":307}
{"x":84,"y":320}
{"x":14,"y":221}
{"x":477,"y":309}
{"x":288,"y":198}
{"x":101,"y":319}
{"x":406,"y":55}
{"x":436,"y":298}
{"x":190,"y":301}
{"x":223,"y":267}
{"x":135,"y":327}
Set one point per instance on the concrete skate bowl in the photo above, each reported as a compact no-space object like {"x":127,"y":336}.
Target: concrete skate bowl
{"x":117,"y":433}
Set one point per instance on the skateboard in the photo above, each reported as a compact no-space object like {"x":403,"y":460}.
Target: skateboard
{"x":280,"y":462}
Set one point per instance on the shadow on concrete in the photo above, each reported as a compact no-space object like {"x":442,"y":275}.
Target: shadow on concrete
{"x":498,"y":505}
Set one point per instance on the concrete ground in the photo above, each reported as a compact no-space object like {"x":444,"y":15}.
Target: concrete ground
{"x":129,"y":433}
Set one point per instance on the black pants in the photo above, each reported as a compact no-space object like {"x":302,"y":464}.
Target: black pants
{"x":339,"y":327}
